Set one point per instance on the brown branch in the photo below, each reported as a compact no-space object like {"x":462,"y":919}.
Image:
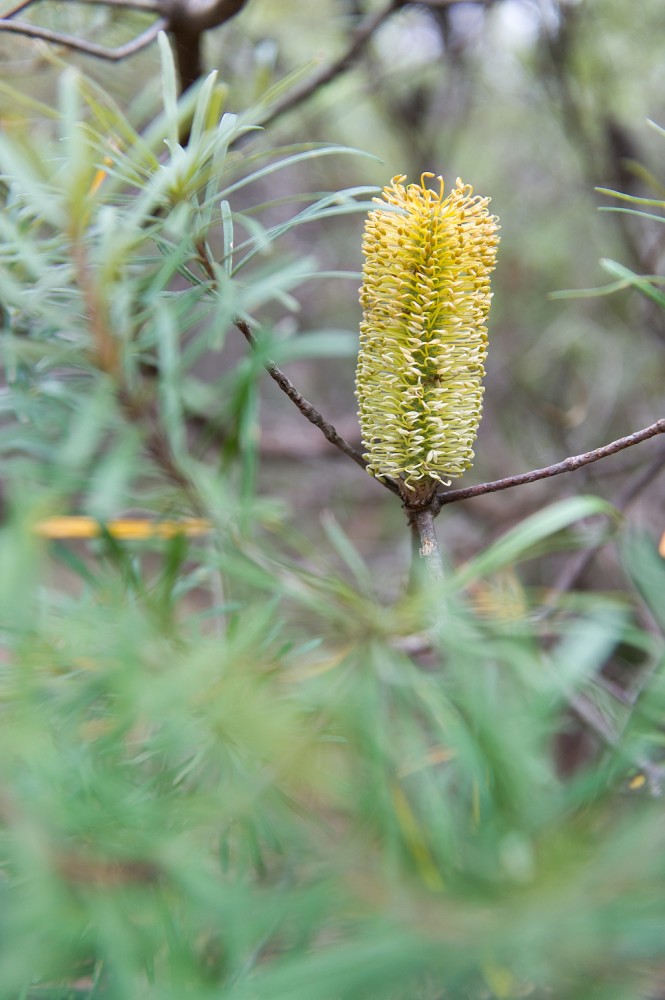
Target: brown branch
{"x":199,"y":16}
{"x":105,"y":352}
{"x":567,"y":465}
{"x":188,"y":52}
{"x":18,"y":8}
{"x":188,"y":21}
{"x":426,"y":545}
{"x":86,"y":48}
{"x":185,"y":20}
{"x":360,"y":39}
{"x":287,"y":386}
{"x":148,"y":6}
{"x":306,"y":408}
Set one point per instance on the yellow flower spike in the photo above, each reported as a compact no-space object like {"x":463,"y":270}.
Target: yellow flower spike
{"x":423,"y":339}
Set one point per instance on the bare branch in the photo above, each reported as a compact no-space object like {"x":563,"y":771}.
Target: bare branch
{"x":567,"y":465}
{"x":18,"y":8}
{"x":185,"y":20}
{"x":305,"y":407}
{"x":188,"y":20}
{"x":87,"y":48}
{"x":359,"y":41}
{"x":287,"y":386}
{"x":149,"y":6}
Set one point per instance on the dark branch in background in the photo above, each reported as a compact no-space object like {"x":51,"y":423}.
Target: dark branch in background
{"x":147,"y":6}
{"x":87,"y":48}
{"x":567,"y":465}
{"x":361,"y":37}
{"x":359,"y":41}
{"x":185,"y":20}
{"x":188,"y":23}
{"x":609,"y":158}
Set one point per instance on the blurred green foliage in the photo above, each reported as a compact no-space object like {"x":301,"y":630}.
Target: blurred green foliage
{"x":232,"y":767}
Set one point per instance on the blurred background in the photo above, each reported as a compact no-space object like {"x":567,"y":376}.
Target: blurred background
{"x":536,"y":103}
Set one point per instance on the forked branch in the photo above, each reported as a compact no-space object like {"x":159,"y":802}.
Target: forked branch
{"x":570,"y":464}
{"x":185,"y":20}
{"x":87,"y":48}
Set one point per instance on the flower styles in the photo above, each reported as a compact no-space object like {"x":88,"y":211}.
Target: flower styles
{"x":423,"y":339}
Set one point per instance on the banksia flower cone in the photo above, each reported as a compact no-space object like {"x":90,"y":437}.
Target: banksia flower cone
{"x":423,"y":339}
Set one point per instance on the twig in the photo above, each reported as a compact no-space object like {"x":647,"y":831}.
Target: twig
{"x":305,"y":407}
{"x":18,"y":8}
{"x":87,"y":48}
{"x":185,"y":20}
{"x":287,"y":386}
{"x":567,"y":465}
{"x":150,"y":6}
{"x":360,"y":39}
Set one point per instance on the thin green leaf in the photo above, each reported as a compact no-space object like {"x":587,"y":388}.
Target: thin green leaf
{"x":637,"y":281}
{"x":632,"y":211}
{"x":647,"y":570}
{"x":323,"y":344}
{"x":227,"y":237}
{"x":312,"y":214}
{"x":517,"y":543}
{"x":585,"y":647}
{"x":313,"y":153}
{"x":634,"y":199}
{"x":584,"y":293}
{"x":169,"y":384}
{"x":347,"y":551}
{"x":227,"y":129}
{"x":201,"y":122}
{"x":169,"y":90}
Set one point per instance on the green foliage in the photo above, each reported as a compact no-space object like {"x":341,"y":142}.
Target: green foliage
{"x":107,"y":270}
{"x":230,"y":768}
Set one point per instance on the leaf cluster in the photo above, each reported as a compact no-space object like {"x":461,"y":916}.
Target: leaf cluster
{"x":230,"y":769}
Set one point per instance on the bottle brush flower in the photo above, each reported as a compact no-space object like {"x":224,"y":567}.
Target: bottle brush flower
{"x":423,"y":339}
